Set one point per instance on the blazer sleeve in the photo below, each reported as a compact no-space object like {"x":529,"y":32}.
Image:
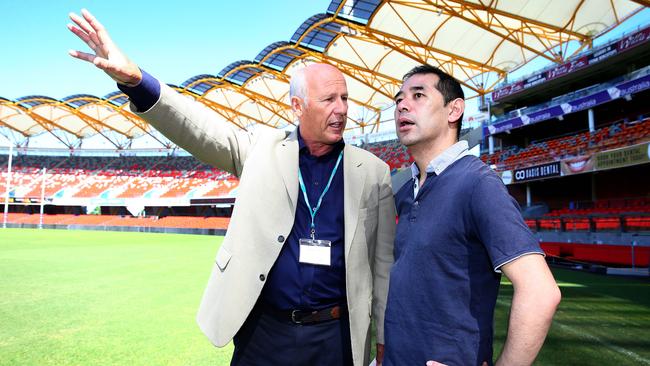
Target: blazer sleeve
{"x":384,"y":258}
{"x":198,"y":130}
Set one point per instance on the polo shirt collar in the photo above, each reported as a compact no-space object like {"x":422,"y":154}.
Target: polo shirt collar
{"x":445,"y":159}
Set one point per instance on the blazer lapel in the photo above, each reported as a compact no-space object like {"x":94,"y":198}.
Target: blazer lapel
{"x":353,"y":185}
{"x":287,"y":154}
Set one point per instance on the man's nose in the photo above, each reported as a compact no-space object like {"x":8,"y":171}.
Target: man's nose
{"x":403,"y":106}
{"x":341,"y":106}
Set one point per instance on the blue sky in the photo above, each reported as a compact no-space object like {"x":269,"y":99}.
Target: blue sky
{"x":172,"y":40}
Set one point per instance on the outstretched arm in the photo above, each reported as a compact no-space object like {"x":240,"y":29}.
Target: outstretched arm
{"x":107,"y":56}
{"x":188,"y":124}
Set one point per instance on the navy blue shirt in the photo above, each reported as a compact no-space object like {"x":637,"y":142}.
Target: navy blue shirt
{"x":144,"y":95}
{"x":295,"y":285}
{"x":291,"y":284}
{"x":450,"y":241}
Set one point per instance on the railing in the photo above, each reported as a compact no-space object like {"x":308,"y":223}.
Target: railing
{"x":572,"y":95}
{"x":574,"y":57}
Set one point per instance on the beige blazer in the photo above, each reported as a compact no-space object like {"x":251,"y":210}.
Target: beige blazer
{"x":267,"y":164}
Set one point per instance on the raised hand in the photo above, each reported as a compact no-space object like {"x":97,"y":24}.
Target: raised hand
{"x":107,"y":57}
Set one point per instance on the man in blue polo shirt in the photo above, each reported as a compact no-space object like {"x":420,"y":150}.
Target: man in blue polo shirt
{"x":458,"y":230}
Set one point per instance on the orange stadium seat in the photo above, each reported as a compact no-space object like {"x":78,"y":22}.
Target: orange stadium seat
{"x":583,"y":143}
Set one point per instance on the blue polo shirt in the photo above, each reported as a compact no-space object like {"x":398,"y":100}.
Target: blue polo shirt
{"x":452,"y":236}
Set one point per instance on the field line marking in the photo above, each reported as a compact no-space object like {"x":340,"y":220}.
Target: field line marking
{"x":591,"y":337}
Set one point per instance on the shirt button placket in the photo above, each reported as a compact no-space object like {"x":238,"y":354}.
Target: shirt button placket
{"x":414,"y":211}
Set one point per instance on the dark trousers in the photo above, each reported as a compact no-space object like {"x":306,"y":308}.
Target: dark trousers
{"x":266,"y":340}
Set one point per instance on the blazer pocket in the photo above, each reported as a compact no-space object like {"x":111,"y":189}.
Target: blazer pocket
{"x":223,"y":258}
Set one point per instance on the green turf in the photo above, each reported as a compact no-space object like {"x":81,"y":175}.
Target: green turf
{"x":105,"y":298}
{"x":602,"y":320}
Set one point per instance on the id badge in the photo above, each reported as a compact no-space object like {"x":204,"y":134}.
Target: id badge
{"x":314,"y":251}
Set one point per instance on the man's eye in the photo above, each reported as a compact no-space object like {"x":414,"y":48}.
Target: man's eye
{"x":418,"y":95}
{"x":397,"y":101}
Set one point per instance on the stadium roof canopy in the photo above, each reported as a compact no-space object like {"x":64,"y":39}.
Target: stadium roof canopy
{"x":372,"y":42}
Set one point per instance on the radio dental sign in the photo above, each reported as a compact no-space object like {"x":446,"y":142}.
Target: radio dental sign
{"x":537,"y":172}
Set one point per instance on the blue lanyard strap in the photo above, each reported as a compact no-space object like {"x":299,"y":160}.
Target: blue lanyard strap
{"x":314,"y":210}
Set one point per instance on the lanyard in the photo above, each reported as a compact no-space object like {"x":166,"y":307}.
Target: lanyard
{"x":314,"y":210}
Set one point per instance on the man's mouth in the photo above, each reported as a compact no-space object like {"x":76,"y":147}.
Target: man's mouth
{"x":336,"y":125}
{"x":404,"y":123}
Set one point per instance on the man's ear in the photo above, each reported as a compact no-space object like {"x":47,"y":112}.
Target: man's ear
{"x":456,"y":110}
{"x":297,"y":106}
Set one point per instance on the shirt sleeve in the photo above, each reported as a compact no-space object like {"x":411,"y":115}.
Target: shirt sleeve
{"x":498,"y":222}
{"x":144,"y":95}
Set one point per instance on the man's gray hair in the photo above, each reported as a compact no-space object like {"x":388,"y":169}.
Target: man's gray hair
{"x":298,"y":85}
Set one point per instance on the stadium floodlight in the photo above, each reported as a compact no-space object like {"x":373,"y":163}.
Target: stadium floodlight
{"x":7,"y":187}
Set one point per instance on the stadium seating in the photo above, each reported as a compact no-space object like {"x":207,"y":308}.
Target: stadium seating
{"x":127,"y":176}
{"x":392,"y":152}
{"x":539,"y":152}
{"x":629,"y":215}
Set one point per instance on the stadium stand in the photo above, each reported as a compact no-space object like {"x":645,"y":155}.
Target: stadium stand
{"x":610,"y":137}
{"x":125,"y":177}
{"x":392,"y":152}
{"x":574,"y":150}
{"x":628,"y":214}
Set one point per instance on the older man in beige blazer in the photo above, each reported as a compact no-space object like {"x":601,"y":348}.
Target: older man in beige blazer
{"x":267,"y":163}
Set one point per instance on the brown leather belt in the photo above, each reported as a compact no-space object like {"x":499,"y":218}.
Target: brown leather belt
{"x":307,"y":316}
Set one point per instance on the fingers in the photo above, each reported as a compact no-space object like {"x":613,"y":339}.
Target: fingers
{"x":107,"y":56}
{"x":97,"y":26}
{"x":123,"y":75}
{"x":81,"y":22}
{"x":82,"y":35}
{"x":100,"y":31}
{"x":83,"y":56}
{"x":100,"y":62}
{"x":87,"y":25}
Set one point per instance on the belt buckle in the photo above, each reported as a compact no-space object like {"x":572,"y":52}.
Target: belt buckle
{"x":293,"y":317}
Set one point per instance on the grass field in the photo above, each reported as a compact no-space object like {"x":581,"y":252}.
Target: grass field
{"x":106,"y":298}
